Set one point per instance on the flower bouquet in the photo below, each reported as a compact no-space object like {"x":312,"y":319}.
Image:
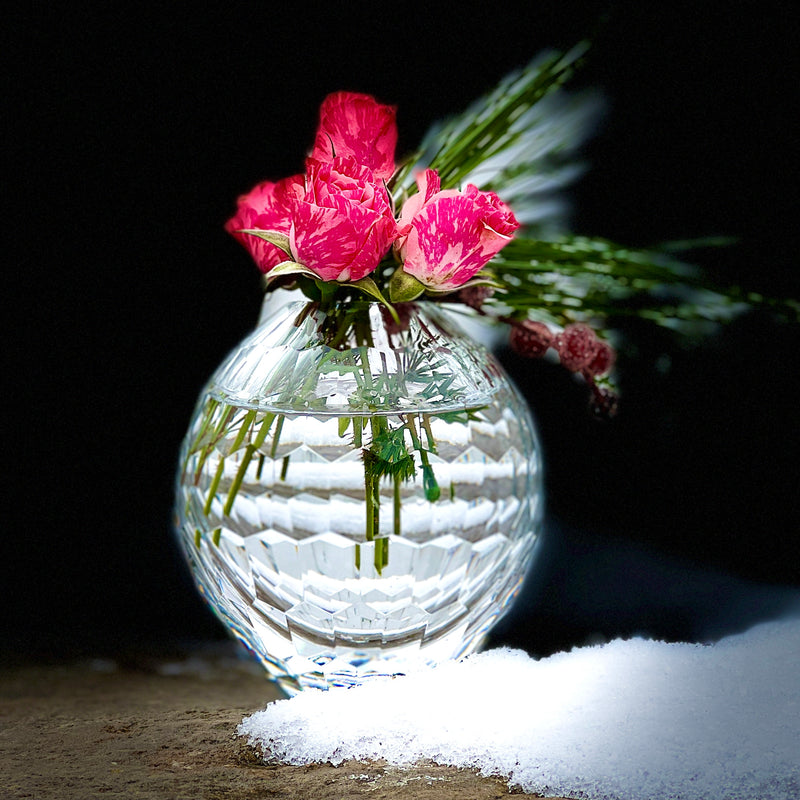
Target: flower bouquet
{"x":360,"y":489}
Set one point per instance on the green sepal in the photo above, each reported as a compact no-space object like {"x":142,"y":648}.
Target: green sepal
{"x":368,"y":286}
{"x":481,"y":278}
{"x":289,"y":268}
{"x":277,"y":238}
{"x":308,"y":287}
{"x":326,"y":289}
{"x":403,"y":288}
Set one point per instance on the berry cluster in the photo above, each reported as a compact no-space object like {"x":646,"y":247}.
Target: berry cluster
{"x":579,"y":349}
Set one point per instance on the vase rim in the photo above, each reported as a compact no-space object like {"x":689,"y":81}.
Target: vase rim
{"x":293,"y":363}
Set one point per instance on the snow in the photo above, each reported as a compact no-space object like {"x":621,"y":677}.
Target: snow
{"x":629,"y":719}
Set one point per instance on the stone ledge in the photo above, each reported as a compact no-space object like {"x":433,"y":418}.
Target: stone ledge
{"x":153,"y":730}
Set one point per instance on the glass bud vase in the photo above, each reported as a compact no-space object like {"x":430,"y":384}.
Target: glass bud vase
{"x":358,"y":496}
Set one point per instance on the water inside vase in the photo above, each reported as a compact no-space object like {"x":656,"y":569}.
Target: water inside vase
{"x":329,"y":582}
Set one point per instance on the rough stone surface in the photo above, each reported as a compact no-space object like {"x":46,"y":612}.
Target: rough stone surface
{"x":136,"y":731}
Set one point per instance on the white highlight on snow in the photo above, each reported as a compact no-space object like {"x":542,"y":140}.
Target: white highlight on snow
{"x":622,"y":721}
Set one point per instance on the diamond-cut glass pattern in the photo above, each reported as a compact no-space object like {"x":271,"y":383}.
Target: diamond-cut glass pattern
{"x":272,"y":508}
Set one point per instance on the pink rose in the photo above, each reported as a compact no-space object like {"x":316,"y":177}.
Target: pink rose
{"x":357,"y":125}
{"x":446,"y":237}
{"x":343,"y":225}
{"x":268,"y":206}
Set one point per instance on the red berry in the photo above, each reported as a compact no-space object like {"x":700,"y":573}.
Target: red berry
{"x":529,"y":338}
{"x":603,"y":360}
{"x":577,"y":346}
{"x":604,"y":402}
{"x":474,"y":296}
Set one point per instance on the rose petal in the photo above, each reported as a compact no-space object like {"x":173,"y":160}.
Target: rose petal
{"x":268,"y":206}
{"x":352,"y":124}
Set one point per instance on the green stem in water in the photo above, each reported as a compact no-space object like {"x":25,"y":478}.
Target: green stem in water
{"x":381,"y":558}
{"x":212,"y":489}
{"x":219,"y":431}
{"x":215,"y":437}
{"x":412,"y":429}
{"x":266,"y":424}
{"x":249,"y":452}
{"x":397,"y":504}
{"x":426,"y":423}
{"x":276,"y":438}
{"x":377,"y":555}
{"x":237,"y":481}
{"x":248,"y":420}
{"x":371,"y":480}
{"x":209,"y":413}
{"x":373,"y":506}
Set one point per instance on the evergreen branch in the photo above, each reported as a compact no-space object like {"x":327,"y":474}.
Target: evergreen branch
{"x":486,"y":129}
{"x":579,"y":278}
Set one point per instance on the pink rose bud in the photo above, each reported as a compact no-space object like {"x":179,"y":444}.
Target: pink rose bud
{"x":446,"y":237}
{"x":530,"y":338}
{"x":343,"y":225}
{"x":357,"y":125}
{"x":268,"y":206}
{"x":577,"y":345}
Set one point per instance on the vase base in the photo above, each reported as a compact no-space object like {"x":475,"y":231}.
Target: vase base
{"x":297,"y":674}
{"x":435,"y":601}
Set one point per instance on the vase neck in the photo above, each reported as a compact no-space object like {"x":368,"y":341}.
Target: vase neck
{"x":356,"y":359}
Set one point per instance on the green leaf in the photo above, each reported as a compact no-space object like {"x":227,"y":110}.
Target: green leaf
{"x":277,"y":238}
{"x":369,"y":287}
{"x":389,"y":455}
{"x":462,"y":416}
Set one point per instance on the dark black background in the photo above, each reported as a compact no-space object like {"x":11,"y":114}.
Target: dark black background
{"x":130,"y":136}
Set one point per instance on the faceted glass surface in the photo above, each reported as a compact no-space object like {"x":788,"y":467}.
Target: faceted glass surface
{"x":358,"y":509}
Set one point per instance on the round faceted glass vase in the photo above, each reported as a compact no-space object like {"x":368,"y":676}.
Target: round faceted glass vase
{"x":358,"y":496}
